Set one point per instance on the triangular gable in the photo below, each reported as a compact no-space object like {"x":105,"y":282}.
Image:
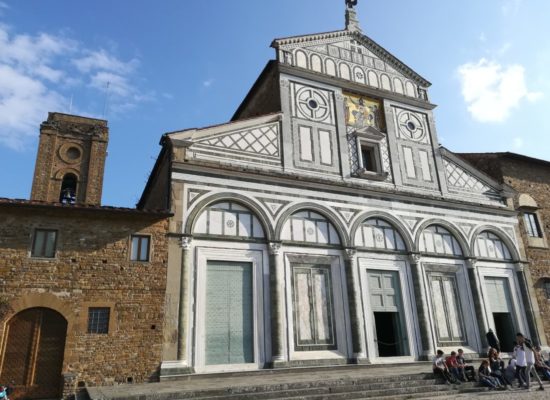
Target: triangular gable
{"x":464,"y":179}
{"x":257,"y":137}
{"x":352,"y":56}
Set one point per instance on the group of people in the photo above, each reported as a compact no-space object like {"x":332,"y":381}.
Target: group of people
{"x":493,"y":372}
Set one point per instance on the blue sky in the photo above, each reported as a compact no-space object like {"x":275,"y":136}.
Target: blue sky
{"x":175,"y":64}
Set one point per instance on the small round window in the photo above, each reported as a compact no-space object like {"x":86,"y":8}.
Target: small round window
{"x":411,"y":125}
{"x":73,"y":153}
{"x":313,"y":104}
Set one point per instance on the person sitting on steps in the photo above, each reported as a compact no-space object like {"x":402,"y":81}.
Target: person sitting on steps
{"x":467,"y":371}
{"x":485,"y":377}
{"x":452,"y":366}
{"x":440,"y":368}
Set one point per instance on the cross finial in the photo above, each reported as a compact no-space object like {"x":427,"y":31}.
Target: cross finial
{"x":352,"y":24}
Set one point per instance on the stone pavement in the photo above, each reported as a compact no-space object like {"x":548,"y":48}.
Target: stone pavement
{"x":515,"y":394}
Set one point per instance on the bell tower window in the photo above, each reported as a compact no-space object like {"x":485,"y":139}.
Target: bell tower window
{"x":68,"y":189}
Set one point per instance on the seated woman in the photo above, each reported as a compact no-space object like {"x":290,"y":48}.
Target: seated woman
{"x":497,"y":368}
{"x":485,"y":377}
{"x":540,"y":365}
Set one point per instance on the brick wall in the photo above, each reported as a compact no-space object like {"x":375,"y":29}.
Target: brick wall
{"x":91,"y":268}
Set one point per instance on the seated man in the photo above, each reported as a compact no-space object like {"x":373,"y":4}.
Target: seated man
{"x":452,"y":366}
{"x":440,"y":368}
{"x":466,"y":371}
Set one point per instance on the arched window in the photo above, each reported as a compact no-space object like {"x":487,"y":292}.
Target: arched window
{"x":67,"y":194}
{"x":376,"y":233}
{"x":438,"y":240}
{"x":229,"y":219}
{"x":310,"y":227}
{"x":489,"y":245}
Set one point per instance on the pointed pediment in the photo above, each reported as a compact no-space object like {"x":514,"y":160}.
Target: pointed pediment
{"x":370,"y":132}
{"x":352,"y":56}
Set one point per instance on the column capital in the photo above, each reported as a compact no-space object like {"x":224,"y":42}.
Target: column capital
{"x":185,"y":242}
{"x":275,"y":248}
{"x":350,"y":253}
{"x":472,"y":262}
{"x":415,"y":258}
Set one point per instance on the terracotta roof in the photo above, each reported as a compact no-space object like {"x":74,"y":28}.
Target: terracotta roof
{"x":511,"y":155}
{"x":6,"y":202}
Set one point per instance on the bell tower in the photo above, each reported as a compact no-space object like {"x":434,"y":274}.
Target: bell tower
{"x":70,"y":161}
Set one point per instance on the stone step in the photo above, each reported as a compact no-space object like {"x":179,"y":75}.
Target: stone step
{"x":372,"y":390}
{"x":184,"y":375}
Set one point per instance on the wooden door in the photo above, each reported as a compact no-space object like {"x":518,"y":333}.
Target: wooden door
{"x":33,"y":353}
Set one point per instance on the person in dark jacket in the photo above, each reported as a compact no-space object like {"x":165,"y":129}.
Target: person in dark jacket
{"x":492,"y":339}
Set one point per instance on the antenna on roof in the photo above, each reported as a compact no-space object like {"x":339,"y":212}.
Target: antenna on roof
{"x":71,"y":104}
{"x":106,"y":102}
{"x":352,"y":23}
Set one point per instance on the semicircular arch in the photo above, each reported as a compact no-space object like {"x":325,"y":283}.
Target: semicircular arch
{"x":460,"y":238}
{"x":326,"y":212}
{"x":232,"y":198}
{"x":501,"y":235}
{"x":392,"y":220}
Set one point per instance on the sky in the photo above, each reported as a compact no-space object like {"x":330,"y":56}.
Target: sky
{"x":151,"y":67}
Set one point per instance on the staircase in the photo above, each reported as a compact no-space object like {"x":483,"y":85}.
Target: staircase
{"x":329,"y":383}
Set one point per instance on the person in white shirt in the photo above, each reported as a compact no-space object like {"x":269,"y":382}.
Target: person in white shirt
{"x":521,"y":363}
{"x":440,"y":368}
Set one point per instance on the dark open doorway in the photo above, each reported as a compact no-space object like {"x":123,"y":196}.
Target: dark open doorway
{"x":505,"y":331}
{"x":388,"y":334}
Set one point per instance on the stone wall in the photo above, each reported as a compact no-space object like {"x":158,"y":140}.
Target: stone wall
{"x":534,"y":179}
{"x":531,"y":177}
{"x":92,"y":267}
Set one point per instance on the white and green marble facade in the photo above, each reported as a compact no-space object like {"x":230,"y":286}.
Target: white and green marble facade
{"x":319,"y":245}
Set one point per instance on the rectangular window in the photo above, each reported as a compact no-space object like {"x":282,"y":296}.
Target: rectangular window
{"x":98,"y":320}
{"x":44,"y":243}
{"x":140,"y":248}
{"x":368,"y":157}
{"x":532,"y":225}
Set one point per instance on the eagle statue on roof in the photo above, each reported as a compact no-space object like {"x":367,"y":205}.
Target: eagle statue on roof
{"x":351,"y":3}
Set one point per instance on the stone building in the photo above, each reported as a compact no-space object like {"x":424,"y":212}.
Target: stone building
{"x":530,"y":177}
{"x":82,"y":286}
{"x":324,"y":224}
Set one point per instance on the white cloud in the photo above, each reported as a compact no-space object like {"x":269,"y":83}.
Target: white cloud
{"x":511,"y":7}
{"x":492,"y":91}
{"x":482,"y":37}
{"x":39,"y":73}
{"x":101,"y":60}
{"x":518,"y":143}
{"x":207,"y":83}
{"x":3,"y":6}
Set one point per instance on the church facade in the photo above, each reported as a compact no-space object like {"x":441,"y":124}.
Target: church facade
{"x":325,"y":225}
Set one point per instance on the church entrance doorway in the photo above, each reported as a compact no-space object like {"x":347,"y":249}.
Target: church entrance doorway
{"x":500,"y":302}
{"x":32,"y":357}
{"x":387,"y":307}
{"x":229,"y":317}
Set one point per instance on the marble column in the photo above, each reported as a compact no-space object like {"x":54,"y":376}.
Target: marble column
{"x":477,"y":295}
{"x":421,"y":300}
{"x":184,"y":295}
{"x":277,"y":295}
{"x":355,"y":310}
{"x":527,"y":303}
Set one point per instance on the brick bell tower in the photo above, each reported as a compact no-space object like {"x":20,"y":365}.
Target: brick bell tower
{"x":71,"y":160}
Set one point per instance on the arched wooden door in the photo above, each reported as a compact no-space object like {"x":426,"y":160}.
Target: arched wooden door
{"x":33,"y":353}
